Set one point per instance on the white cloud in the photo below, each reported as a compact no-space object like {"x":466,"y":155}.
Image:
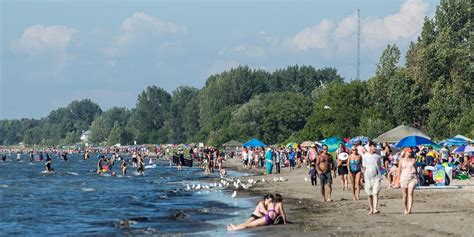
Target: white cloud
{"x":39,"y":38}
{"x":141,"y":25}
{"x":311,"y":37}
{"x":249,"y":50}
{"x":404,"y":25}
{"x":346,"y":27}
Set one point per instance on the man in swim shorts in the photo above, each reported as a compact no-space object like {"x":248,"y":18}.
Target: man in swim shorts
{"x":324,"y":166}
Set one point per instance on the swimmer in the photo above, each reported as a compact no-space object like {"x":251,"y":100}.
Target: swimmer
{"x":124,"y":167}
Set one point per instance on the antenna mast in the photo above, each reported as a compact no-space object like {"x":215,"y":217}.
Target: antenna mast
{"x":358,"y":44}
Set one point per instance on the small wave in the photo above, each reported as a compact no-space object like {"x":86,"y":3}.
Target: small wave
{"x":180,"y":215}
{"x":88,"y":189}
{"x":125,"y":223}
{"x":72,"y":173}
{"x":3,"y":186}
{"x":150,"y":166}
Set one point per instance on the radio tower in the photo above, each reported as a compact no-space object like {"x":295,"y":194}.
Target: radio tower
{"x":358,"y":44}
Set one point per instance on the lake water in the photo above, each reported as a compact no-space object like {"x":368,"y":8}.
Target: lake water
{"x":76,"y":201}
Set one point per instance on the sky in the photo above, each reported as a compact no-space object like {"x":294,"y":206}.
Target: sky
{"x":54,"y":52}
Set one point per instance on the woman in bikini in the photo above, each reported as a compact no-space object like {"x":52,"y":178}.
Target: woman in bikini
{"x":279,"y":209}
{"x":267,"y":219}
{"x":355,"y":164}
{"x":260,"y":209}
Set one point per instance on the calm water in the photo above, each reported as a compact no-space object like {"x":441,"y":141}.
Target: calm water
{"x":76,"y":201}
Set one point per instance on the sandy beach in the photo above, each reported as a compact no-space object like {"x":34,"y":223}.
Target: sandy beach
{"x":436,"y":212}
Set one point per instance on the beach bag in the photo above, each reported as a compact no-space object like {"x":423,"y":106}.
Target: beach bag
{"x":278,"y":220}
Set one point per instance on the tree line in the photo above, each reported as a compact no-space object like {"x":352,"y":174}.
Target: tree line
{"x":432,"y":91}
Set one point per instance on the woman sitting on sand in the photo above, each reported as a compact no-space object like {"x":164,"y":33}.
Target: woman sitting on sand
{"x":267,"y":219}
{"x":260,"y":209}
{"x":281,"y":219}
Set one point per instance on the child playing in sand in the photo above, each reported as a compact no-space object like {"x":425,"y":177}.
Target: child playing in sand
{"x":392,"y":175}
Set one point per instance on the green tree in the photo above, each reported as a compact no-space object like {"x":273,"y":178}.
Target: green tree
{"x":153,"y":106}
{"x":184,"y":112}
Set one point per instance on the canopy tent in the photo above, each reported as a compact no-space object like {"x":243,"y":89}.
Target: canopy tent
{"x":398,"y":133}
{"x":254,"y":143}
{"x":232,"y":143}
{"x":463,"y":137}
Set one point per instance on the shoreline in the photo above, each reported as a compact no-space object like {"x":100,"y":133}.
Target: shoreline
{"x":436,"y":212}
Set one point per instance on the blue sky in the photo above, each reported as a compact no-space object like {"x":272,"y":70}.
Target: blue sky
{"x":53,"y":52}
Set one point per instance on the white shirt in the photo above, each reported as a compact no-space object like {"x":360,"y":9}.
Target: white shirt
{"x":372,"y":164}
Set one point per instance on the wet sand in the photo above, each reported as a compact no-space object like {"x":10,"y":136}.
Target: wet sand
{"x":436,"y":212}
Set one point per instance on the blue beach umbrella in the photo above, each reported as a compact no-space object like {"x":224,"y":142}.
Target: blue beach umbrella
{"x":361,"y":139}
{"x":254,"y":143}
{"x":465,"y":149}
{"x":453,"y":142}
{"x":412,"y":141}
{"x":333,"y":143}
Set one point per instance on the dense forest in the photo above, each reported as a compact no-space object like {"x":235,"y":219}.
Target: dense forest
{"x":433,"y":91}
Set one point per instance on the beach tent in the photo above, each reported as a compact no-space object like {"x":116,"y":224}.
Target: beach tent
{"x":232,"y":143}
{"x":254,"y":143}
{"x":396,"y":134}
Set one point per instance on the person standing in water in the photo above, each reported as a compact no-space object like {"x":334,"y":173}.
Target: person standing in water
{"x":134,"y":159}
{"x":32,"y":157}
{"x":48,"y":164}
{"x":124,"y":167}
{"x":371,"y":165}
{"x":324,"y":166}
{"x":141,"y":167}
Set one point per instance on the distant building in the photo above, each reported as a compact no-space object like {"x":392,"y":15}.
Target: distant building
{"x":85,"y":136}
